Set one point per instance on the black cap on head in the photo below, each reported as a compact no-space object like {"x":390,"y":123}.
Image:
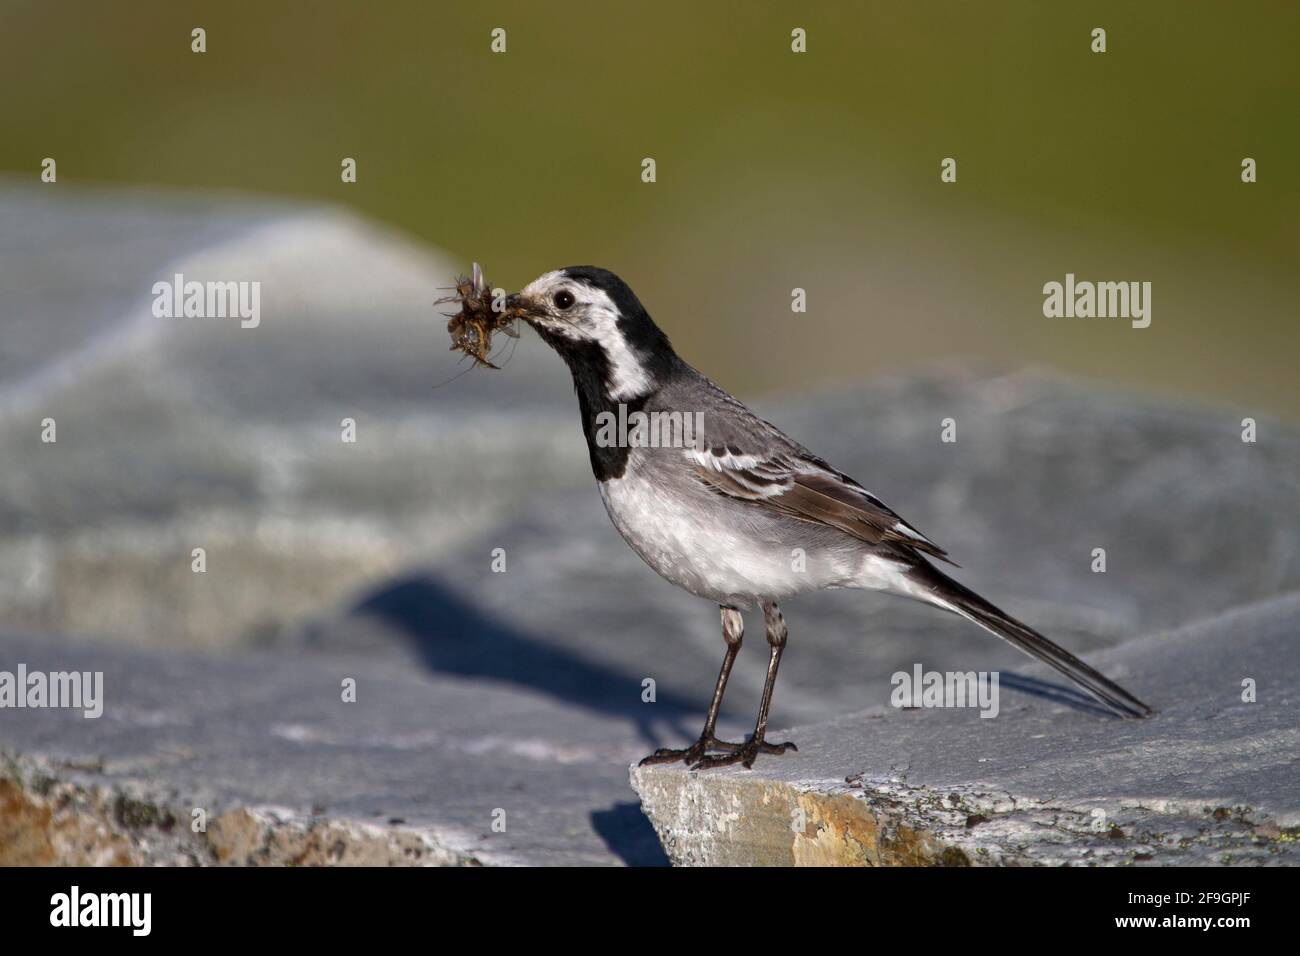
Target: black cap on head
{"x":637,"y":326}
{"x":618,"y":291}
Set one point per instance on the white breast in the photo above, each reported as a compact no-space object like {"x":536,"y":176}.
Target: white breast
{"x":717,"y":549}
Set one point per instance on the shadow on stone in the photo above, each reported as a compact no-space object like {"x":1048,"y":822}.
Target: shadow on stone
{"x":1056,"y":693}
{"x":629,"y":835}
{"x":451,"y":636}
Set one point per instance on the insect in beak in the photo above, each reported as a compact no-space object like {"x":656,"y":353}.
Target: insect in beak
{"x":472,"y":328}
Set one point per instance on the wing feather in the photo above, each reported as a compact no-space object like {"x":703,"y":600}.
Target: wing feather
{"x":807,"y":488}
{"x":744,"y":457}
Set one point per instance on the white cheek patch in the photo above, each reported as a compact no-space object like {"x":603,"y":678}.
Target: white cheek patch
{"x":628,"y":377}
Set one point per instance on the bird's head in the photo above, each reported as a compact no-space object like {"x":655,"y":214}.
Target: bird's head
{"x":599,"y":327}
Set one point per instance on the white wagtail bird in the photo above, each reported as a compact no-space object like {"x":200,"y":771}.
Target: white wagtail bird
{"x":721,"y":516}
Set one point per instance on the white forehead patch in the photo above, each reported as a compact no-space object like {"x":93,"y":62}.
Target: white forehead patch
{"x":596,"y":320}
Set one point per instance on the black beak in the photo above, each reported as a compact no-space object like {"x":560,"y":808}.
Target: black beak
{"x":515,"y":302}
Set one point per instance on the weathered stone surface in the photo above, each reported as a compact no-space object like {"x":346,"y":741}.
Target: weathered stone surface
{"x":176,"y":433}
{"x":1209,"y":780}
{"x":421,"y":768}
{"x":46,"y":821}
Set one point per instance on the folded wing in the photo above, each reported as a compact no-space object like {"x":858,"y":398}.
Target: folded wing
{"x":800,"y":485}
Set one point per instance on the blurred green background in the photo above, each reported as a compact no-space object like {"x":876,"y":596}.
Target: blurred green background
{"x":775,"y":170}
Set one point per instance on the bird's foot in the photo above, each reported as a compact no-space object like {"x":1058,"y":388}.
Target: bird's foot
{"x":692,"y":754}
{"x":744,"y":754}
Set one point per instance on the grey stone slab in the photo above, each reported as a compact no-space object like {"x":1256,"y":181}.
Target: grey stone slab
{"x":177,"y":433}
{"x":70,"y":261}
{"x":1211,"y":779}
{"x":265,"y":743}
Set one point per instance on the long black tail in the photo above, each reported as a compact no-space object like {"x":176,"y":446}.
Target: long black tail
{"x":962,"y":600}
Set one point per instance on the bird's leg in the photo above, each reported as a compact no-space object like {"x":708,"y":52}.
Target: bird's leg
{"x":748,"y":751}
{"x":733,"y":631}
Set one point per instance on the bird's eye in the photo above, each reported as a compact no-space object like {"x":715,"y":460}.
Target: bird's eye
{"x":563,"y":299}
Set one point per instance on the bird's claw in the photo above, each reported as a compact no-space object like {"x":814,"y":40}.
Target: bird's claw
{"x":744,"y":754}
{"x":692,"y":754}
